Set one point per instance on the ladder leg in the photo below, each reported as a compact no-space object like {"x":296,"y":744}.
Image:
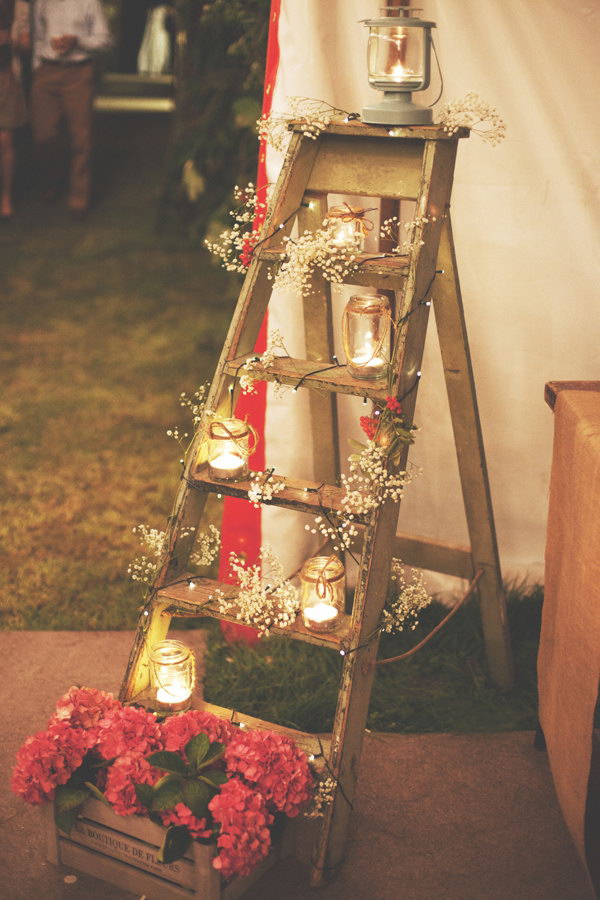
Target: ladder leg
{"x":468,"y":438}
{"x":318,"y":330}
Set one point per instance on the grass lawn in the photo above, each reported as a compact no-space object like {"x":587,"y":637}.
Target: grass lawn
{"x":103,"y":324}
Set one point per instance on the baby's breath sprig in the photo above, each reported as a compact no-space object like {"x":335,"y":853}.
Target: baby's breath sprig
{"x":263,"y":487}
{"x":206,"y":547}
{"x":313,"y":251}
{"x":254,"y":368}
{"x":265,"y":599}
{"x":323,"y":793}
{"x":310,"y":116}
{"x":197,"y":406}
{"x":412,"y":596}
{"x":474,"y":113}
{"x":392,"y":229}
{"x":145,"y":568}
{"x":234,"y":245}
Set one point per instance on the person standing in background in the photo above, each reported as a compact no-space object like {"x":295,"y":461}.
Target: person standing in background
{"x":67,"y":35}
{"x":14,"y":39}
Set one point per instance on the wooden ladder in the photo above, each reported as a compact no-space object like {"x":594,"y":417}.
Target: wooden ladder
{"x":410,"y":163}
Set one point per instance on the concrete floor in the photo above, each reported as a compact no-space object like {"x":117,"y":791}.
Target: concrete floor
{"x":450,"y":817}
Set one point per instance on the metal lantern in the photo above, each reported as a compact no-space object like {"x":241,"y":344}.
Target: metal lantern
{"x":172,"y":675}
{"x":365,"y":330}
{"x":322,"y":592}
{"x":229,"y":448}
{"x":399,"y":60}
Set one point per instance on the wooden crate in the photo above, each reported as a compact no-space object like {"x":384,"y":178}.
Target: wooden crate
{"x":123,"y":850}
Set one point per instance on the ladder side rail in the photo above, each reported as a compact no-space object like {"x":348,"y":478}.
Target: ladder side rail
{"x":468,"y":438}
{"x":373,"y":582}
{"x":242,"y":334}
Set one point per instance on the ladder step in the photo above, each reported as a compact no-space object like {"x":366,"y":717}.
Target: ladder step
{"x":287,"y":370}
{"x":310,"y":743}
{"x":303,"y":496}
{"x":388,"y":272}
{"x":187,"y":600}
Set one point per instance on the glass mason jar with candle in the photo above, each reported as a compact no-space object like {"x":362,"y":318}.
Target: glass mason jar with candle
{"x":229,"y":447}
{"x":365,"y":328}
{"x":348,"y":234}
{"x":172,"y":675}
{"x":322,"y":592}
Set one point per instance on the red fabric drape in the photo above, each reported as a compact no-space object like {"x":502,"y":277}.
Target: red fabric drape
{"x":241,"y":525}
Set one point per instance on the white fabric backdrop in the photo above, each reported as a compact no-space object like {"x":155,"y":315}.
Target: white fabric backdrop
{"x":525,"y":217}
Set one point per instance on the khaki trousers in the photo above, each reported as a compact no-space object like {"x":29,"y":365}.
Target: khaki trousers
{"x":64,"y":92}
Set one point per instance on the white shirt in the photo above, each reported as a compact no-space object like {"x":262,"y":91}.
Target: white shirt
{"x":83,"y":18}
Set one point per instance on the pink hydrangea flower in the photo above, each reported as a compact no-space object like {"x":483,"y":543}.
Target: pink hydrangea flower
{"x":244,"y":821}
{"x":84,"y":708}
{"x":176,"y":731}
{"x":182,"y":815}
{"x":46,"y":760}
{"x":121,"y":778}
{"x":272,"y":764}
{"x":128,"y":730}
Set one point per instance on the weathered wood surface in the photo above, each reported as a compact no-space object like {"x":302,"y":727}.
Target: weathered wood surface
{"x":356,"y":129}
{"x":287,"y":370}
{"x":553,"y":388}
{"x":183,"y":600}
{"x":123,"y":850}
{"x":373,"y":577}
{"x":303,"y":496}
{"x":468,"y":439}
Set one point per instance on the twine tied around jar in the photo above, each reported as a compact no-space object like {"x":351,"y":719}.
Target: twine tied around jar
{"x":323,"y":583}
{"x":245,"y":452}
{"x":356,"y":214}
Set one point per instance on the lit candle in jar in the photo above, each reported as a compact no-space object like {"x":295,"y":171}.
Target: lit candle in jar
{"x":229,"y":449}
{"x":322,"y":589}
{"x":347,"y":237}
{"x":172,"y":675}
{"x":173,"y":694}
{"x":365,"y":326}
{"x":321,"y":613}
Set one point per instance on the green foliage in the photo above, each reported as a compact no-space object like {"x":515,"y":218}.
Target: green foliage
{"x":192,"y":783}
{"x":218,"y":100}
{"x":444,"y":687}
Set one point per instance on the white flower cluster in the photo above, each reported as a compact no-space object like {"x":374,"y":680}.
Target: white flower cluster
{"x":370,"y":482}
{"x":412,"y":597}
{"x":234,"y":245}
{"x":195,"y":403}
{"x":474,"y":113}
{"x":391,"y":230}
{"x":207,"y":547}
{"x":317,"y":250}
{"x":323,"y":793}
{"x":263,"y":487}
{"x":265,"y":599}
{"x":254,"y":368}
{"x":338,"y":529}
{"x":312,"y":117}
{"x":144,"y":568}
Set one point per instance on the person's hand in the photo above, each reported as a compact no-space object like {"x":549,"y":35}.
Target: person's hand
{"x":63,"y":43}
